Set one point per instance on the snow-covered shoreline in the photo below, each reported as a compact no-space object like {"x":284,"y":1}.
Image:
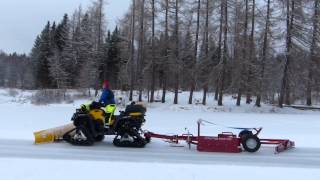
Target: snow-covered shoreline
{"x":16,"y":97}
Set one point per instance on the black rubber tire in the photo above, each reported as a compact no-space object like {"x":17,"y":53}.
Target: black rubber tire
{"x":99,"y":138}
{"x":246,"y":139}
{"x":244,"y":133}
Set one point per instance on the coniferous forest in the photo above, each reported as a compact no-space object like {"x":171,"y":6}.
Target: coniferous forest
{"x":258,"y":50}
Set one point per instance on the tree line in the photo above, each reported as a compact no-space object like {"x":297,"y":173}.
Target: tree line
{"x":14,"y":71}
{"x":259,"y":50}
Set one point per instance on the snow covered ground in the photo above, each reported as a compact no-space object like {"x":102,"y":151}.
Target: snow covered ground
{"x":21,"y":159}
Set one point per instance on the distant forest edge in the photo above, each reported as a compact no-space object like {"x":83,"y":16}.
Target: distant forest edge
{"x":260,"y":50}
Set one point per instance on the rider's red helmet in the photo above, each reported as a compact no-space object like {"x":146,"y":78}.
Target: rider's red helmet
{"x":105,"y":84}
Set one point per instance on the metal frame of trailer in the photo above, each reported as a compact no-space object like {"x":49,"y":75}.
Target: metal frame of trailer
{"x":227,"y":142}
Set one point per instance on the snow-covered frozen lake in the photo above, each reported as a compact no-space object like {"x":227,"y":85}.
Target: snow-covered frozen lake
{"x":21,"y":159}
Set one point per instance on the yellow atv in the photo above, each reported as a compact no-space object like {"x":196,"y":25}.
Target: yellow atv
{"x":92,"y":122}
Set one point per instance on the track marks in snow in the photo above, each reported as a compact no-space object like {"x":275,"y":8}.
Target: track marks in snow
{"x":158,"y":152}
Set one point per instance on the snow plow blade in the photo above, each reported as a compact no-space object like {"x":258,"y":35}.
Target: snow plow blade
{"x":51,"y":135}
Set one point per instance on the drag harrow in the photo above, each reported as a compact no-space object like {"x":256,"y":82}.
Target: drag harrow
{"x":228,"y":142}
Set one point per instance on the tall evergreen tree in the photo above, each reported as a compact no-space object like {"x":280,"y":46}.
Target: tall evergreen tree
{"x":113,"y":58}
{"x":89,"y":70}
{"x":61,"y":61}
{"x":42,"y":62}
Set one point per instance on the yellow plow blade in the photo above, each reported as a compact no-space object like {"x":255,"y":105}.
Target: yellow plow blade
{"x":51,"y":135}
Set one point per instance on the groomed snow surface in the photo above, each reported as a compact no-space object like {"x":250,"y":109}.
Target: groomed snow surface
{"x":21,"y":159}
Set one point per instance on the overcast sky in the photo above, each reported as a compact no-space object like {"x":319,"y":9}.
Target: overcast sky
{"x":22,"y":20}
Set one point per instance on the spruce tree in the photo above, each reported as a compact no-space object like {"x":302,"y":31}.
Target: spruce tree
{"x":42,"y":59}
{"x":113,"y":59}
{"x":61,"y":61}
{"x":88,"y":73}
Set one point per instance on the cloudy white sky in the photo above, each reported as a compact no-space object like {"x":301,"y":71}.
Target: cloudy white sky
{"x":22,"y":20}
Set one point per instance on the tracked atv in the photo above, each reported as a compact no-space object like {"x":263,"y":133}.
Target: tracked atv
{"x":93,"y":122}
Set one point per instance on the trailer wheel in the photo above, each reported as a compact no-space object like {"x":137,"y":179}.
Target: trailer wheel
{"x":251,"y":143}
{"x":244,"y":133}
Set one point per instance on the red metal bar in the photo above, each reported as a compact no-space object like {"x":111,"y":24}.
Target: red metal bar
{"x":199,"y":124}
{"x":173,"y":138}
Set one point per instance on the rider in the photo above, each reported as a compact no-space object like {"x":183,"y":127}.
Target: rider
{"x":106,"y":101}
{"x":107,"y":96}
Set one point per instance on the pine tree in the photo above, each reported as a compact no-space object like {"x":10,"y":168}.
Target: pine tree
{"x":61,"y":61}
{"x":113,"y":59}
{"x":219,"y":50}
{"x":205,"y":65}
{"x":195,"y":56}
{"x":76,"y":48}
{"x":2,"y":68}
{"x":153,"y":65}
{"x":132,"y":49}
{"x":313,"y":54}
{"x":34,"y":55}
{"x":264,"y":55}
{"x":225,"y":53}
{"x":252,"y":55}
{"x":42,"y":62}
{"x":244,"y":63}
{"x":88,"y":71}
{"x":141,"y":47}
{"x":177,"y":60}
{"x":285,"y":87}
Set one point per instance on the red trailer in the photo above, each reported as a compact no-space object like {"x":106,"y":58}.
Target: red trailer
{"x":228,"y":142}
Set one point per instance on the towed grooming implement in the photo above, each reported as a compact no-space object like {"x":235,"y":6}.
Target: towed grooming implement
{"x":228,"y":142}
